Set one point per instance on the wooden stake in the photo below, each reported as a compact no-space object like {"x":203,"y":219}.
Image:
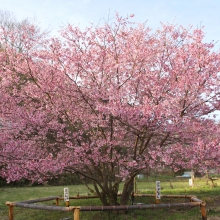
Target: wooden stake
{"x":57,"y":201}
{"x":76,"y":214}
{"x":193,"y":180}
{"x":135,"y":185}
{"x":157,"y":201}
{"x":10,"y":210}
{"x":203,"y":210}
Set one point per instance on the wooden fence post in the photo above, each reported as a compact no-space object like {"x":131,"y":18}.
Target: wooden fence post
{"x":76,"y":212}
{"x":10,"y":210}
{"x":135,"y":185}
{"x":203,"y":210}
{"x":57,"y":201}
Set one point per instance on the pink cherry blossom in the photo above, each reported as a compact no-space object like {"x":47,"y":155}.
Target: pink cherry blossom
{"x":108,"y":103}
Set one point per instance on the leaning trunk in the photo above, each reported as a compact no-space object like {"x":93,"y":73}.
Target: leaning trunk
{"x":127,"y":191}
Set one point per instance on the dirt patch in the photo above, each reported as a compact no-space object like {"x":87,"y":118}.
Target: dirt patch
{"x":213,"y":207}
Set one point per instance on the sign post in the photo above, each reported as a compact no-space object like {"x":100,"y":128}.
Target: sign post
{"x":158,"y":194}
{"x":66,"y":197}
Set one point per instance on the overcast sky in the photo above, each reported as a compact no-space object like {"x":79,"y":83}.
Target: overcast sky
{"x":54,"y":13}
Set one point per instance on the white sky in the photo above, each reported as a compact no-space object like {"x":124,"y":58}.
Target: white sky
{"x":54,"y":13}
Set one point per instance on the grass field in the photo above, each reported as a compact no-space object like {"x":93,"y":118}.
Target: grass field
{"x":169,"y":186}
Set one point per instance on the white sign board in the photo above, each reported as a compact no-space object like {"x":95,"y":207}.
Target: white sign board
{"x":190,"y":182}
{"x":158,"y":190}
{"x":66,"y":195}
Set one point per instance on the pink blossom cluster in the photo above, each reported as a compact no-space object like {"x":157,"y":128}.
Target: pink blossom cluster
{"x":108,"y":102}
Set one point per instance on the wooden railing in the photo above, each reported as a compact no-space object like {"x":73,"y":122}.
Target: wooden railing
{"x":193,"y":201}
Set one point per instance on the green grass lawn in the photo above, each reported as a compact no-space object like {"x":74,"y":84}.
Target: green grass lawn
{"x":169,"y":186}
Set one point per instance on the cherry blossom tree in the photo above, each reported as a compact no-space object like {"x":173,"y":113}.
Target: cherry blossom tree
{"x":107,"y":103}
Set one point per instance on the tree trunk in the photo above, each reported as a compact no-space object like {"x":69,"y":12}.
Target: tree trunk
{"x":127,"y":191}
{"x":113,"y":198}
{"x":107,"y":195}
